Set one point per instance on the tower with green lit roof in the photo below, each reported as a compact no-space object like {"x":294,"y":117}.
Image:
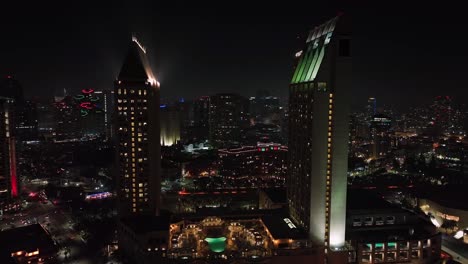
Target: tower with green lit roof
{"x":318,"y":133}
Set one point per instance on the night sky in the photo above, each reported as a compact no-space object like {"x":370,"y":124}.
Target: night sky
{"x":402,"y":56}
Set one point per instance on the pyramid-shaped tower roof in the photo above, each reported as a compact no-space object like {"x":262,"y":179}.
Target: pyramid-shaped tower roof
{"x":136,"y":66}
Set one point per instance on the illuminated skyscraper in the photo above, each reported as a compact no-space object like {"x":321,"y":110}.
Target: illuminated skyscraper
{"x":318,"y":136}
{"x":137,"y":133}
{"x":8,"y":176}
{"x":170,"y":125}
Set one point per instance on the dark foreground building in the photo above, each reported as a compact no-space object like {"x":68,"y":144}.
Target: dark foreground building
{"x":28,"y":244}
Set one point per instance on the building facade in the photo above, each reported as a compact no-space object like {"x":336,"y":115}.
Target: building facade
{"x":9,"y":188}
{"x":318,"y":133}
{"x":137,"y":132}
{"x":228,"y":115}
{"x":170,"y":125}
{"x":264,"y":159}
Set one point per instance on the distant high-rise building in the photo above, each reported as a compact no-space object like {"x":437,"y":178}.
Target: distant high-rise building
{"x":25,"y":112}
{"x":26,"y":121}
{"x":66,"y":115}
{"x":371,"y":108}
{"x":381,"y":142}
{"x":264,"y":159}
{"x":137,"y":132}
{"x":91,"y":112}
{"x":46,"y":119}
{"x":318,"y":133}
{"x":170,"y":125}
{"x":228,"y":115}
{"x":8,"y":177}
{"x":201,"y":121}
{"x":265,"y":109}
{"x":109,"y":108}
{"x":442,"y":112}
{"x":11,"y":88}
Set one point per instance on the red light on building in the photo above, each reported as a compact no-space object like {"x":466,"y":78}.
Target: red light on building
{"x":86,"y":105}
{"x":87,"y":91}
{"x":13,"y":177}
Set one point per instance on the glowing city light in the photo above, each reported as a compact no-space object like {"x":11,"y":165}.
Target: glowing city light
{"x":289,"y":223}
{"x":87,"y":91}
{"x":134,"y":39}
{"x":459,"y":234}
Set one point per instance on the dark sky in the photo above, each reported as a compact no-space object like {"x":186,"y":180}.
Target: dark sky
{"x":400,"y":55}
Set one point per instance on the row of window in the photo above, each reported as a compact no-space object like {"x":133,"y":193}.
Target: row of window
{"x":370,"y":221}
{"x":124,"y":101}
{"x":131,"y":91}
{"x":390,"y":246}
{"x":382,"y":257}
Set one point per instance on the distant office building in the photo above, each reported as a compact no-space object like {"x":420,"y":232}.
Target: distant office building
{"x":137,"y":129}
{"x":200,"y":129}
{"x":318,"y":135}
{"x":264,"y":159}
{"x":11,"y":88}
{"x":109,"y":108}
{"x":442,"y":112}
{"x":261,"y":132}
{"x":381,"y":141}
{"x":170,"y":125}
{"x":371,"y":108}
{"x":91,"y":112}
{"x":46,"y":119}
{"x":9,"y":181}
{"x":27,"y":121}
{"x":228,"y":116}
{"x":67,"y":122}
{"x":265,"y":109}
{"x":25,"y":111}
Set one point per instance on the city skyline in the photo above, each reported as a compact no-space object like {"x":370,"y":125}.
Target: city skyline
{"x":232,"y":134}
{"x":208,"y":44}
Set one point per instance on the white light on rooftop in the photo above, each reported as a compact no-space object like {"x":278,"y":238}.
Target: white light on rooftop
{"x":289,"y":223}
{"x":134,"y":39}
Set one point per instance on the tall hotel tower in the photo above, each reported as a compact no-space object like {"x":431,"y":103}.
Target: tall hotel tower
{"x":137,"y":133}
{"x":318,"y":136}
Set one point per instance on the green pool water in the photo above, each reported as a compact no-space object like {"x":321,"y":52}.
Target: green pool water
{"x":217,"y":244}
